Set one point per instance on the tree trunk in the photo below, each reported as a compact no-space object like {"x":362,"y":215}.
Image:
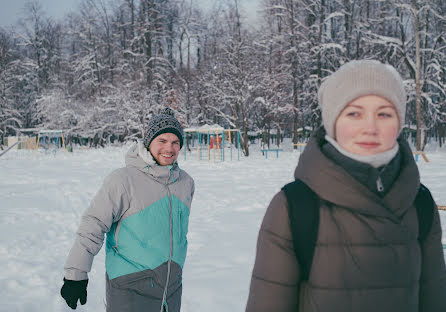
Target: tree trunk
{"x":170,"y":39}
{"x":245,"y":131}
{"x":180,"y":50}
{"x":321,"y":26}
{"x":149,"y":20}
{"x":441,"y":133}
{"x":295,"y":130}
{"x":417,"y":74}
{"x":294,"y":72}
{"x":347,"y":26}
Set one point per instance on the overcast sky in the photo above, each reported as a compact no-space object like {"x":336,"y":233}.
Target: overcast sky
{"x":11,"y":10}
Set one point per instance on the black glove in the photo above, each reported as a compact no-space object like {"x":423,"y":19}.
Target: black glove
{"x":71,"y":291}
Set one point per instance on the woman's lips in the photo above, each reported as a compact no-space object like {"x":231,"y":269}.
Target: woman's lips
{"x":368,"y":144}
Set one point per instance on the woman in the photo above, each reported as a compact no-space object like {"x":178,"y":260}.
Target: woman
{"x":367,"y":255}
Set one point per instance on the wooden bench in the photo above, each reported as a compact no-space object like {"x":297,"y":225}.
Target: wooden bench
{"x":266,"y":150}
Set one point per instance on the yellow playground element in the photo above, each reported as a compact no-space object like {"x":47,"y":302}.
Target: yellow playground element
{"x":212,"y":142}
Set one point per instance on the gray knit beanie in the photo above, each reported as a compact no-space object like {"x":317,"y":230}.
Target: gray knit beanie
{"x":359,"y":78}
{"x":165,"y":122}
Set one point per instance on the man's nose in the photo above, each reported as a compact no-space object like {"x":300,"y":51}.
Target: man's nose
{"x":170,"y":146}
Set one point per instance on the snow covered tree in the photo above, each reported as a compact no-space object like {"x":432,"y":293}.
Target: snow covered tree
{"x":235,"y":70}
{"x":10,"y":115}
{"x":111,"y":64}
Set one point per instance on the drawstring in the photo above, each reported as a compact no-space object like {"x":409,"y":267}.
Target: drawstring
{"x":171,"y":174}
{"x":165,"y":308}
{"x":164,"y":303}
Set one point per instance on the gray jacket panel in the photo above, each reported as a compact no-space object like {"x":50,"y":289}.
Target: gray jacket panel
{"x":143,"y":291}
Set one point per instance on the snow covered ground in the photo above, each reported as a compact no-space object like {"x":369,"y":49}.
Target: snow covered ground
{"x":42,"y":196}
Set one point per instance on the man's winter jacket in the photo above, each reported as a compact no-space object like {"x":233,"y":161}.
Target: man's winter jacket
{"x":144,"y":210}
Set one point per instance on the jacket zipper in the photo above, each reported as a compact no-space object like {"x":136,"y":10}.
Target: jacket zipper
{"x":379,"y":185}
{"x":164,"y":301}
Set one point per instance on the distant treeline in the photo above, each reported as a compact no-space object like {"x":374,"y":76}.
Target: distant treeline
{"x":103,"y":70}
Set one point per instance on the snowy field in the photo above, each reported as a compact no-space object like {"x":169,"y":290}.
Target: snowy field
{"x":42,"y":196}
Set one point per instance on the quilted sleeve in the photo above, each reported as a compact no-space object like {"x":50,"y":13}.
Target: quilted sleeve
{"x":105,"y":209}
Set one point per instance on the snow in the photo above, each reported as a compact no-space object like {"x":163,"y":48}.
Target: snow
{"x":43,"y":195}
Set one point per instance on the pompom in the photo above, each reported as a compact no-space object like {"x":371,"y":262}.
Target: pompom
{"x":167,"y":111}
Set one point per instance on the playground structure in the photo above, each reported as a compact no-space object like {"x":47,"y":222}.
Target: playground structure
{"x":212,"y":142}
{"x":35,"y":139}
{"x":272,"y":150}
{"x":50,"y":139}
{"x":417,"y":153}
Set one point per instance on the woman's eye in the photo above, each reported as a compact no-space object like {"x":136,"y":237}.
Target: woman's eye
{"x":385,"y":115}
{"x":353,"y":114}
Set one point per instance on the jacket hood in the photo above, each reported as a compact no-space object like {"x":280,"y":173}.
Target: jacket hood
{"x":139,"y":157}
{"x":334,"y":184}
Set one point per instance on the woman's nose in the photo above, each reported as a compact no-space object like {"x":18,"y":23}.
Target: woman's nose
{"x":370,"y":124}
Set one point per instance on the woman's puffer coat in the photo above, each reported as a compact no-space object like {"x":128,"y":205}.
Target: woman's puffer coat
{"x":367,"y":257}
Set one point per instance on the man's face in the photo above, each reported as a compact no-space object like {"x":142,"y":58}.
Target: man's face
{"x":165,"y":148}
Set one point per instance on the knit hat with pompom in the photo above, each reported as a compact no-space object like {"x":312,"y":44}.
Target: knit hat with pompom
{"x":165,"y":122}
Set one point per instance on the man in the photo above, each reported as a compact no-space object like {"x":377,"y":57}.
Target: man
{"x":144,"y":210}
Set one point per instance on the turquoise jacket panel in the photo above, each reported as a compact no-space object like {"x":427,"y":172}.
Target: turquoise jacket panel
{"x":143,"y":238}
